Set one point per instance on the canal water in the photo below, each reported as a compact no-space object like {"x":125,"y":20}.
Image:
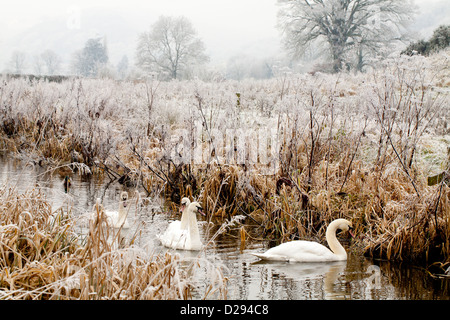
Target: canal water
{"x":358,"y":278}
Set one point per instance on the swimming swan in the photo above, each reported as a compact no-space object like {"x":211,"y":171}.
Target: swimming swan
{"x":309,"y":251}
{"x":118,"y":219}
{"x":185,"y":202}
{"x":186,"y":239}
{"x":176,"y":228}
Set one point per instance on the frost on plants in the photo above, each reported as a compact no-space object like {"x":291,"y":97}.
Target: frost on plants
{"x":290,"y":153}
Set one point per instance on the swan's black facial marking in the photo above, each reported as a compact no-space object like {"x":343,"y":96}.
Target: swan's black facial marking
{"x":184,"y":203}
{"x":350,"y":231}
{"x":345,"y":227}
{"x":200,"y":210}
{"x":124,"y":198}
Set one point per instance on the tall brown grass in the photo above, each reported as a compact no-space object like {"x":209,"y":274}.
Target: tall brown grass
{"x":350,"y":145}
{"x":42,"y":257}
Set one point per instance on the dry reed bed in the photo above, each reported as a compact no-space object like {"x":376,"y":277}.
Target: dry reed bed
{"x":41,"y":257}
{"x":347,"y":146}
{"x":391,"y":220}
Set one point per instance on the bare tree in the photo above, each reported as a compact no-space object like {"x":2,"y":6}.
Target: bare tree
{"x":122,"y":67}
{"x":238,"y":67}
{"x":17,"y":61}
{"x":170,"y":47}
{"x":352,"y":30}
{"x":37,"y":64}
{"x":52,"y":61}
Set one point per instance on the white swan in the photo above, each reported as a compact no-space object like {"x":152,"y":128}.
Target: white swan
{"x":185,"y":202}
{"x":176,"y":229}
{"x":309,"y":251}
{"x":186,"y":239}
{"x":118,"y":219}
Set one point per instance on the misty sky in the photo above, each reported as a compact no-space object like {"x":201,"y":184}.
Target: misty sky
{"x":227,"y":27}
{"x":212,"y":18}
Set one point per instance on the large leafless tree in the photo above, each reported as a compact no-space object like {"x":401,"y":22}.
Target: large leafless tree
{"x":351,"y":30}
{"x":170,"y":47}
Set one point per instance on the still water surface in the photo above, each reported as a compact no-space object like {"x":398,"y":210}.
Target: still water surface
{"x":358,"y":278}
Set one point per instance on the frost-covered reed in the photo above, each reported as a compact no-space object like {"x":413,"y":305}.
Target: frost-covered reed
{"x":42,"y":257}
{"x":290,"y":153}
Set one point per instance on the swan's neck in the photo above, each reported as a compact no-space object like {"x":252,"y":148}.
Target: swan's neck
{"x":184,"y":219}
{"x":333,"y":243}
{"x":122,"y":213}
{"x":193,"y":228}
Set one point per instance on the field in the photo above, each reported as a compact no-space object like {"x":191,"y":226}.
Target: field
{"x":290,"y":153}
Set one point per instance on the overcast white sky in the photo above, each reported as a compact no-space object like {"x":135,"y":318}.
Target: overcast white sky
{"x":226,"y":26}
{"x":227,"y":16}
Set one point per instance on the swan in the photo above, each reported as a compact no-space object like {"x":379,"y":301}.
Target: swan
{"x":185,"y":202}
{"x":310,"y":251}
{"x":177,"y":228}
{"x":118,"y":219}
{"x":186,"y":239}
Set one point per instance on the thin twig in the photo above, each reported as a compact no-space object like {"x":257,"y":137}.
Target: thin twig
{"x":398,"y":156}
{"x":353,"y":156}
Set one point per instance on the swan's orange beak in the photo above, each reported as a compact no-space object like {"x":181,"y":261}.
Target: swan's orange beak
{"x":183,"y":206}
{"x":200,"y":210}
{"x":351,"y":233}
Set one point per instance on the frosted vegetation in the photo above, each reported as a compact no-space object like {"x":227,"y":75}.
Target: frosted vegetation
{"x":100,"y":122}
{"x":291,"y":153}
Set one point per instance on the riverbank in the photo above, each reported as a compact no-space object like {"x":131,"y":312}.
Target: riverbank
{"x":291,"y":153}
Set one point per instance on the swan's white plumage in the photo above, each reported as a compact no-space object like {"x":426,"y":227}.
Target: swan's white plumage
{"x":188,"y":238}
{"x":299,"y":251}
{"x":309,"y":251}
{"x":118,"y":219}
{"x":176,"y":233}
{"x":185,"y":202}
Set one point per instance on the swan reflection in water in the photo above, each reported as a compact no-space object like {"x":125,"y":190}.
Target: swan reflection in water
{"x":326,"y":274}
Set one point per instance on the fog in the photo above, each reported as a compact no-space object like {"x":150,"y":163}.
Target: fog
{"x":227,"y":28}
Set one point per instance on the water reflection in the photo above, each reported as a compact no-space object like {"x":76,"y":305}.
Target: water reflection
{"x":307,"y":280}
{"x":248,"y":278}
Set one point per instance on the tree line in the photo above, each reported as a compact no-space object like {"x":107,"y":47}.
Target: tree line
{"x":334,"y":34}
{"x":438,"y":41}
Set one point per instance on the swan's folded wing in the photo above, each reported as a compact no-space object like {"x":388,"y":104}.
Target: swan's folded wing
{"x":173,"y":228}
{"x":300,"y":251}
{"x":171,"y":232}
{"x":174,"y":237}
{"x":111,"y":217}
